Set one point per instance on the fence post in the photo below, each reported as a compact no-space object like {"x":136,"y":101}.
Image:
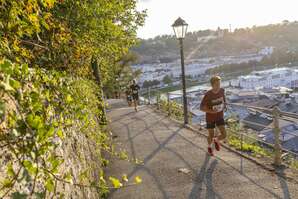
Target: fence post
{"x":277,"y":146}
{"x":188,"y":110}
{"x":157,"y":100}
{"x":168,"y":102}
{"x":149,"y":96}
{"x":241,"y":147}
{"x":200,"y":123}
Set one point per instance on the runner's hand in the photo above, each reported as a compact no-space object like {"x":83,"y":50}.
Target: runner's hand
{"x":212,"y":111}
{"x":225,"y":107}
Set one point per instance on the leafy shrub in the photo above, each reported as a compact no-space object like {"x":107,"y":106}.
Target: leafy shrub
{"x":173,"y":109}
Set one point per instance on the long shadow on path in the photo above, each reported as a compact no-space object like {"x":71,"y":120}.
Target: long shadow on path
{"x":148,"y":158}
{"x":204,"y":174}
{"x":284,"y":185}
{"x":274,"y":195}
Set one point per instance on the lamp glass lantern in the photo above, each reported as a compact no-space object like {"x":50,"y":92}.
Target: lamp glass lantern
{"x":180,"y":28}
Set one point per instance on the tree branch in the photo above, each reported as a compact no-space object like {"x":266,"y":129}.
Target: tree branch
{"x":34,"y":44}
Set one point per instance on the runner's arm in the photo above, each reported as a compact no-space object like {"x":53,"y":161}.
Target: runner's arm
{"x":225,"y":102}
{"x":207,"y":110}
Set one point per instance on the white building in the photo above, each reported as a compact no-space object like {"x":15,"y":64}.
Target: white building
{"x":266,"y":51}
{"x":285,"y":77}
{"x":193,"y":69}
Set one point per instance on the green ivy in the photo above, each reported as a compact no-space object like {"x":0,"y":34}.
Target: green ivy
{"x":38,"y":108}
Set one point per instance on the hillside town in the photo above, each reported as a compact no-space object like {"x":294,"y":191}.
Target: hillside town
{"x":195,"y":68}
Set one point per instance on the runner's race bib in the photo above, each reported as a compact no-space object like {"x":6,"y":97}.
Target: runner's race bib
{"x":218,"y":108}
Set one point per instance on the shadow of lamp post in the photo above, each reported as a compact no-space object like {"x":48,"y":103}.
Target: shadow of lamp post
{"x":180,"y":29}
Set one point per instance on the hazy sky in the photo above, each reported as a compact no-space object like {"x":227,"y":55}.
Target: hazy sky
{"x":210,"y":14}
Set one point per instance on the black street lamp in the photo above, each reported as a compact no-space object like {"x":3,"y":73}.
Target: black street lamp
{"x":180,"y":29}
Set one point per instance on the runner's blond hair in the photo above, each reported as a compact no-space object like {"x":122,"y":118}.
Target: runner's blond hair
{"x":215,"y":79}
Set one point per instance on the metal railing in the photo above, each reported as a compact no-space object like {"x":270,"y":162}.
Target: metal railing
{"x":277,"y":115}
{"x":279,"y":153}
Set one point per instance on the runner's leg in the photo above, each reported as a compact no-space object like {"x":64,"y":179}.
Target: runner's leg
{"x":210,"y":136}
{"x":223,"y":133}
{"x":210,"y":139}
{"x":136,"y":105}
{"x":135,"y":101}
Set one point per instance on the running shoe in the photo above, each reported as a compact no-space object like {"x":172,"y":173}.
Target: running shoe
{"x":210,"y":151}
{"x":217,"y":144}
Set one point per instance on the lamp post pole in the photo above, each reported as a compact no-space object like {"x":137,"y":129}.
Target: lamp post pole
{"x":180,"y":29}
{"x":185,"y":112}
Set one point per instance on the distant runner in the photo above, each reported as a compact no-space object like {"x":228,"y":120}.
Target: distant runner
{"x":214,"y":104}
{"x":128,"y":96}
{"x":135,"y":93}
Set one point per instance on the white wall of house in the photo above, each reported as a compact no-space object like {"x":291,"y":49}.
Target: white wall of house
{"x":270,"y":78}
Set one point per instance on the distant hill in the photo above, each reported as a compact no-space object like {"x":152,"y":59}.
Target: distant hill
{"x":208,"y":43}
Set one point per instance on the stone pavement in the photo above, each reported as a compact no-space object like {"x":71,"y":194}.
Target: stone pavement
{"x":165,"y":147}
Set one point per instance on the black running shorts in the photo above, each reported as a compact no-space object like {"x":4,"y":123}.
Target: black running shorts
{"x":211,"y":125}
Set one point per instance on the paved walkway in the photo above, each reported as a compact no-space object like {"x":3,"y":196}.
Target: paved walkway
{"x":165,"y":147}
